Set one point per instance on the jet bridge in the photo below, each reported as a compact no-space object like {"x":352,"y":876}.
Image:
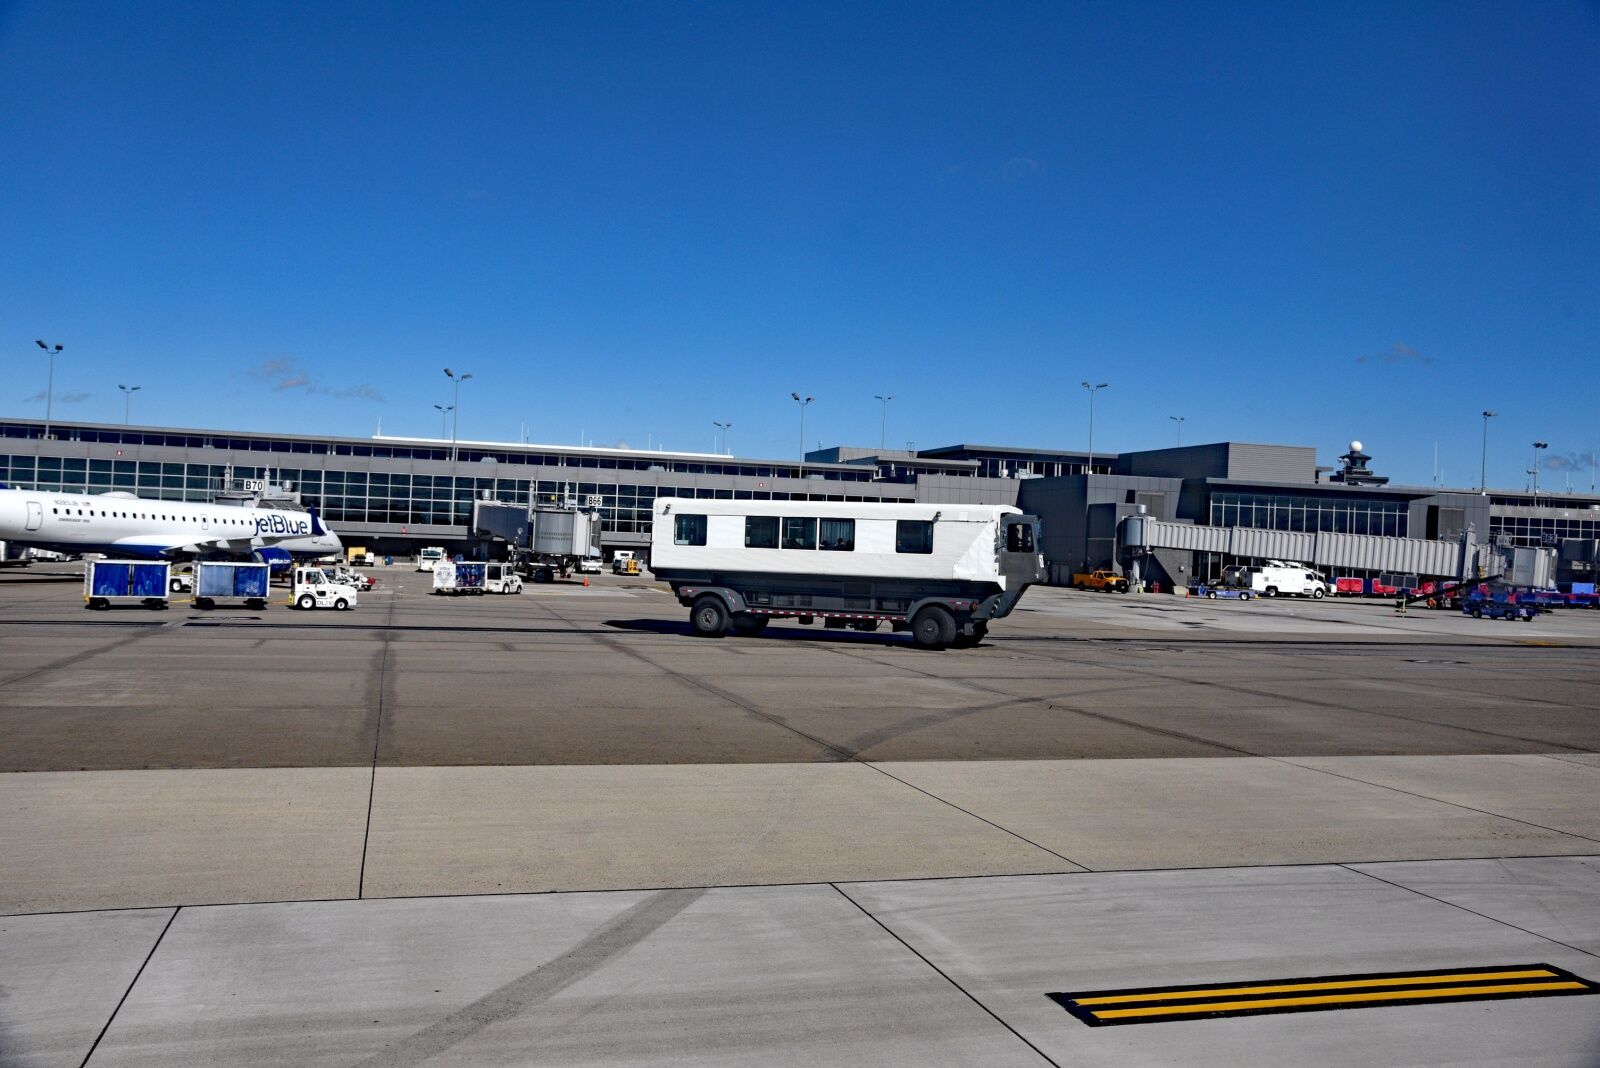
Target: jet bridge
{"x":1139,"y":536}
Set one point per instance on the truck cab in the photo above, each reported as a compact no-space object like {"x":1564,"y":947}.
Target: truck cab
{"x":313,"y":589}
{"x":429,"y":556}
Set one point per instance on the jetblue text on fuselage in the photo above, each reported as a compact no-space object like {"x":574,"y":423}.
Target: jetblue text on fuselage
{"x":279,"y":524}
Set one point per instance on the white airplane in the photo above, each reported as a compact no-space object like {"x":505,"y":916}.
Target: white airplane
{"x":122,"y":525}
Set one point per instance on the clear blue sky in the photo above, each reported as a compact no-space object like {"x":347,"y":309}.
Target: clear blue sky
{"x":1287,"y":223}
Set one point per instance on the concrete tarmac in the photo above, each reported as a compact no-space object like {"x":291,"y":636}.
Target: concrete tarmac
{"x":558,"y":829}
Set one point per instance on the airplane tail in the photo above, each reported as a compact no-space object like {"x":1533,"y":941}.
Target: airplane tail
{"x":317,"y":529}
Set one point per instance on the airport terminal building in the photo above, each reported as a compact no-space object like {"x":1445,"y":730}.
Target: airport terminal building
{"x":394,"y":495}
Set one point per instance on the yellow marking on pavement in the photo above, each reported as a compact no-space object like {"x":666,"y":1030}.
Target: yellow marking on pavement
{"x":1267,"y":997}
{"x":1332,"y":999}
{"x":1281,"y":988}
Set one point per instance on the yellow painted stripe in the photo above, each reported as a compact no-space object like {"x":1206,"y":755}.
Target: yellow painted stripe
{"x":1332,"y":1000}
{"x":1343,"y":984}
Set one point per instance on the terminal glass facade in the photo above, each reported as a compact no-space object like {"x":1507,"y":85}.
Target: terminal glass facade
{"x":345,"y":496}
{"x":1334,"y":515}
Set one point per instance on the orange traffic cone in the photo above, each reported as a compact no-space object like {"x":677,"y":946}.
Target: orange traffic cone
{"x":585,"y":583}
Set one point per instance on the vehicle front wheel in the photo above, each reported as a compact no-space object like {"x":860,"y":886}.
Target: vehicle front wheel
{"x":1212,"y":596}
{"x":306,"y":601}
{"x":709,"y":617}
{"x":341,"y":604}
{"x":933,"y":627}
{"x":1318,"y":594}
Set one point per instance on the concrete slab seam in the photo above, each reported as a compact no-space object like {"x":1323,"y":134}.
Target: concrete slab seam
{"x":377,"y":736}
{"x":131,"y":984}
{"x":974,"y":815}
{"x":945,"y":976}
{"x":1454,"y":804}
{"x":1472,"y":912}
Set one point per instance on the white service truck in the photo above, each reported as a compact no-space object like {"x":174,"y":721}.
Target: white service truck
{"x":1276,"y":578}
{"x":312,"y":588}
{"x":429,"y":556}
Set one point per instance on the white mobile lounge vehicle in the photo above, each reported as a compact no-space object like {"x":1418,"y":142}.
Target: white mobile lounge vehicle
{"x":941,"y":571}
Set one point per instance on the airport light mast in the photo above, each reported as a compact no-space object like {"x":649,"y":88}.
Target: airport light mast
{"x":455,"y":419}
{"x":127,"y":400}
{"x":883,"y":428}
{"x":444,"y":411}
{"x":802,"y":404}
{"x":1179,"y":420}
{"x":50,"y":383}
{"x":1092,"y":391}
{"x":1538,"y":447}
{"x":1483,"y":463}
{"x":724,"y":427}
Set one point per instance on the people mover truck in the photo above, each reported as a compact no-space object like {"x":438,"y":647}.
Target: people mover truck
{"x":942,"y":572}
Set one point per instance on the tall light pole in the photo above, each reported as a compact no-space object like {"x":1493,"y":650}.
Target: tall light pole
{"x":883,"y":427}
{"x":455,"y":420}
{"x":1538,"y":447}
{"x":127,"y":400}
{"x":724,"y":427}
{"x":444,"y":411}
{"x":802,"y":404}
{"x":1483,"y":463}
{"x":1092,"y":391}
{"x":1179,"y":420}
{"x":50,"y":384}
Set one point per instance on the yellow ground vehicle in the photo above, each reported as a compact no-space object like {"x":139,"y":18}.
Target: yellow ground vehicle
{"x":1100,"y":579}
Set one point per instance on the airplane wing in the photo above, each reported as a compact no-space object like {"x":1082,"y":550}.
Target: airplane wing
{"x":203,"y":546}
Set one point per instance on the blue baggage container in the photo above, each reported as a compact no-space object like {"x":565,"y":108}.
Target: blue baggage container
{"x":250,"y":580}
{"x":111,"y":580}
{"x":470,"y":576}
{"x":215,"y":579}
{"x":150,"y":580}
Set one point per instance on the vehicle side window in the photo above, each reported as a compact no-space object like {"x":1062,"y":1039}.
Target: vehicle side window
{"x":913,"y":536}
{"x":1019,"y":538}
{"x":689,"y":530}
{"x":761,"y":532}
{"x":799,"y":533}
{"x":838,"y":535}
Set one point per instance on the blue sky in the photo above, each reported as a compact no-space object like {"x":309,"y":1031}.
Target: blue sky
{"x":1286,"y":223}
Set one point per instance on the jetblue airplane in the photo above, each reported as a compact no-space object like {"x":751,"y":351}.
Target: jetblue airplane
{"x":122,"y":525}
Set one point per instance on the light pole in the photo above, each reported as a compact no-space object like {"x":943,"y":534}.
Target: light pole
{"x":455,"y":420}
{"x":444,"y":411}
{"x":1483,"y":463}
{"x":1538,"y":447}
{"x":1179,"y":420}
{"x":127,"y":399}
{"x":50,"y":384}
{"x":883,"y":428}
{"x":802,"y":404}
{"x":724,"y":427}
{"x":1092,"y":391}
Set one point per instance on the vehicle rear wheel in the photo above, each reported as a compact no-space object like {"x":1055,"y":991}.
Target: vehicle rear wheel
{"x":745,"y":624}
{"x":205,"y":604}
{"x":933,"y":627}
{"x":1212,"y":596}
{"x":1247,"y":596}
{"x":256,"y":604}
{"x":709,"y":616}
{"x":1271,"y":591}
{"x":306,"y":601}
{"x":1477,"y":613}
{"x":867,"y":625}
{"x":174,"y":586}
{"x":341,"y":604}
